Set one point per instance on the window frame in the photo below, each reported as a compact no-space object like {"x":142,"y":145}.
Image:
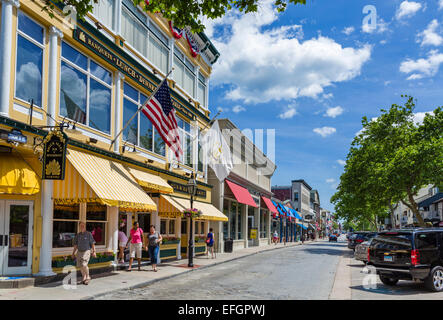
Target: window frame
{"x":113,"y":27}
{"x":105,"y":229}
{"x":184,"y":61}
{"x":35,"y":42}
{"x":88,"y":74}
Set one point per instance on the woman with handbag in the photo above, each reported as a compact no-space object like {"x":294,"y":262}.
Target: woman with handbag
{"x":210,"y":243}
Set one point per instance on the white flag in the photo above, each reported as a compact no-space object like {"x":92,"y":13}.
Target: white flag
{"x":217,"y":152}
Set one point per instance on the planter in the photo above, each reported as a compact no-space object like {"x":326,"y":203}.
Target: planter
{"x":62,"y":264}
{"x":170,"y":242}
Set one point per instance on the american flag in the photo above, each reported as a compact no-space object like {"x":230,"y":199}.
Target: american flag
{"x":160,"y":111}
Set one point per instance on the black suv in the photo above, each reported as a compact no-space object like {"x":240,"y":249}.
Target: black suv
{"x":409,"y":254}
{"x":359,"y":237}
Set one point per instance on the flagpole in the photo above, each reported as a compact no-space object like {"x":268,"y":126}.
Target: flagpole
{"x":140,"y":108}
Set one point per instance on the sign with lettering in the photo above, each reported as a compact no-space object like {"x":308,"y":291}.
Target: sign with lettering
{"x":182,"y":188}
{"x":125,"y":68}
{"x":16,"y":136}
{"x":54,"y":155}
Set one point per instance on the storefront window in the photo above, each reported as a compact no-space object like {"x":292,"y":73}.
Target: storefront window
{"x":96,"y":221}
{"x":162,"y":226}
{"x":140,"y":131}
{"x":64,"y":225}
{"x":85,"y":90}
{"x":171,"y":227}
{"x":240,"y":222}
{"x":144,"y":221}
{"x":29,"y":65}
{"x":202,"y":227}
{"x":233,"y":220}
{"x":184,"y":226}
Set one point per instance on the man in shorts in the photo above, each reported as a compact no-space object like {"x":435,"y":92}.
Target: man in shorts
{"x":84,"y":246}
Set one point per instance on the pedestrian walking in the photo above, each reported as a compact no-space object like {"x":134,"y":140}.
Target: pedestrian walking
{"x":122,"y":240}
{"x":154,"y":240}
{"x":135,"y":250}
{"x":275,"y":237}
{"x":84,"y":246}
{"x":210,"y":243}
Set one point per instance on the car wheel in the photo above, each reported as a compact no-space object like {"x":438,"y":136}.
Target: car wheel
{"x":388,"y":281}
{"x":434,"y":281}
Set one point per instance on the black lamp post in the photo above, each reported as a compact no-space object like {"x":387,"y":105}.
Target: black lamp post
{"x":192,"y":189}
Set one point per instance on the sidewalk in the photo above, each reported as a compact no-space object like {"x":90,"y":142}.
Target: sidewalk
{"x":120,"y":280}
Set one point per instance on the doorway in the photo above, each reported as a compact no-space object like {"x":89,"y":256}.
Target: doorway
{"x":16,"y":225}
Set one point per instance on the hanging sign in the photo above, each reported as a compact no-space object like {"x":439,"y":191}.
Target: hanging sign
{"x":54,"y":155}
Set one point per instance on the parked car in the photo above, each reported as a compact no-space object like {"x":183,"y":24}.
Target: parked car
{"x":332,"y":237}
{"x":359,"y":237}
{"x":361,"y":250}
{"x":409,"y":254}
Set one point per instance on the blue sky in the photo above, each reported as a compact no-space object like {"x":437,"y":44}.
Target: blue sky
{"x":312,"y":72}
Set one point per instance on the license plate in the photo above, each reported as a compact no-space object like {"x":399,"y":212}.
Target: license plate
{"x":389,"y":258}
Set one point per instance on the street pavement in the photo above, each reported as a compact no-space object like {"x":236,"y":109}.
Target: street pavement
{"x":300,"y":272}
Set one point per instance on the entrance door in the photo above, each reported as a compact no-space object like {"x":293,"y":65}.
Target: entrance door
{"x":16,"y":219}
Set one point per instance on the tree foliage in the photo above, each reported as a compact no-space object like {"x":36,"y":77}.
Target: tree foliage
{"x":182,"y":13}
{"x":388,"y":162}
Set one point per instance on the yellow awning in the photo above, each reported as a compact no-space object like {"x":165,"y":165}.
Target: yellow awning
{"x":103,"y":181}
{"x":17,"y":177}
{"x":209,"y":212}
{"x":150,"y":182}
{"x":168,"y":208}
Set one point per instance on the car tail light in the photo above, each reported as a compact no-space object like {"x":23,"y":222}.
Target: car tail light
{"x":359,"y":240}
{"x":368,"y":258}
{"x":415,"y":257}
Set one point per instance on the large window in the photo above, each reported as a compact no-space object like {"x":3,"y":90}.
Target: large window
{"x":184,"y":73}
{"x":96,"y":221}
{"x":29,"y":63}
{"x":140,"y":131}
{"x":201,"y":90}
{"x":103,"y":10}
{"x":64,"y":226}
{"x":85,"y":90}
{"x":149,"y":42}
{"x":186,"y":141}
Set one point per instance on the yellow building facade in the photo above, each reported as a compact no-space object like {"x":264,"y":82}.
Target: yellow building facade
{"x":89,"y":78}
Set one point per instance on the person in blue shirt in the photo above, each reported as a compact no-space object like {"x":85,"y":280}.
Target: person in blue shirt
{"x":210,"y":243}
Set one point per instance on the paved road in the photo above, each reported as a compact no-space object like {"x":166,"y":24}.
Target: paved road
{"x":302,"y":272}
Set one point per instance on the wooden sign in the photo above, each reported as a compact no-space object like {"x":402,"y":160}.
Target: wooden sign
{"x":54,"y":155}
{"x":182,"y":188}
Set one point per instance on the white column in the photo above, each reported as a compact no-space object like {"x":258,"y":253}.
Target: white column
{"x":197,"y":70}
{"x":171,"y":55}
{"x":54,"y":35}
{"x":117,"y":109}
{"x":6,"y":53}
{"x":118,"y":17}
{"x":112,"y":234}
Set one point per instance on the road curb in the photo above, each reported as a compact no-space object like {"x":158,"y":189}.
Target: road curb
{"x":152,"y":281}
{"x":341,"y":288}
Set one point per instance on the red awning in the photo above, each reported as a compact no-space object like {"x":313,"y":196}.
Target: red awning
{"x":241,"y":194}
{"x":269,"y":204}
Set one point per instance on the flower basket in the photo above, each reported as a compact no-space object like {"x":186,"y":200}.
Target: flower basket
{"x":61,"y":262}
{"x":199,"y":239}
{"x":192,"y":213}
{"x":170,"y":240}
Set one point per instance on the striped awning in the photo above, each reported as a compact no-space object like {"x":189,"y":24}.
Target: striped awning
{"x":150,"y":182}
{"x":94,"y":179}
{"x":209,"y":212}
{"x":17,"y":177}
{"x":168,"y":208}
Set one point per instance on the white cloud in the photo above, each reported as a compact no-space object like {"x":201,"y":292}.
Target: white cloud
{"x":407,"y":9}
{"x":238,"y":108}
{"x":289,"y":113}
{"x":420,"y":116}
{"x":341,"y":162}
{"x":330,"y":180}
{"x":380,"y":27}
{"x":430,"y":36}
{"x":421,"y":68}
{"x":347,"y":31}
{"x":262,"y":64}
{"x":440,"y":4}
{"x":325,"y":131}
{"x":29,"y":82}
{"x":334,"y":112}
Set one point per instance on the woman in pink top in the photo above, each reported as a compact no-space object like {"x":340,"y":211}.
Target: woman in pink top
{"x":136,"y":238}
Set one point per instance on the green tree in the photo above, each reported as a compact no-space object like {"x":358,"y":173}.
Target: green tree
{"x":183,"y":13}
{"x":389,"y":161}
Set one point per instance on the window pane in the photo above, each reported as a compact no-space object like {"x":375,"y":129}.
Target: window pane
{"x":99,"y":107}
{"x":134,"y":33}
{"x":101,"y":73}
{"x":72,"y":93}
{"x":171,"y":226}
{"x":104,"y":11}
{"x":63,"y":233}
{"x":158,"y":33}
{"x":96,"y":213}
{"x":240,"y":227}
{"x":66,"y":212}
{"x":130,"y":92}
{"x":29,"y":27}
{"x":98,"y":230}
{"x":159,"y":144}
{"x":29,"y":71}
{"x":184,"y":226}
{"x":74,"y":56}
{"x":201,"y":94}
{"x":145,"y":132}
{"x":130,"y":133}
{"x":162,"y":226}
{"x":189,"y":81}
{"x":233,"y":220}
{"x":158,"y":54}
{"x":178,"y":72}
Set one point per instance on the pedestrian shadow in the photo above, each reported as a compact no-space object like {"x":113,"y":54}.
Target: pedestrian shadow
{"x":58,"y":280}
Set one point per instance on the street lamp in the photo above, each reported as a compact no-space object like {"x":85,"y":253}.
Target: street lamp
{"x":192,"y":190}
